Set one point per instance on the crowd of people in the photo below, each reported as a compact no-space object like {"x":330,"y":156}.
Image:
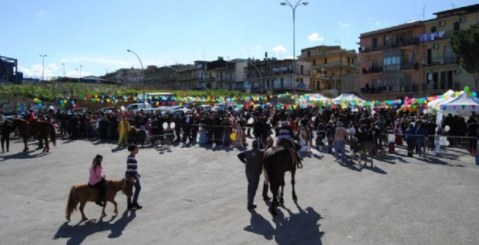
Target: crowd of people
{"x":231,"y":127}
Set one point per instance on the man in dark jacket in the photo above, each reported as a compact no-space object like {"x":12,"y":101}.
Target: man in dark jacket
{"x":253,"y":163}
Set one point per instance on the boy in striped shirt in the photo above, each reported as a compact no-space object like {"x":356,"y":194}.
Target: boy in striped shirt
{"x":131,"y":173}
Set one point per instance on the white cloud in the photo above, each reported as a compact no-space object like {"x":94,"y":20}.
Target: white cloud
{"x":377,"y":22}
{"x":36,"y":70}
{"x":315,"y":37}
{"x":279,"y":49}
{"x":344,"y":24}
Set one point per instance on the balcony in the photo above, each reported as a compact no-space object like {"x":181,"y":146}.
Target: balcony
{"x":414,"y":66}
{"x":434,"y":36}
{"x":442,"y":61}
{"x":374,"y":69}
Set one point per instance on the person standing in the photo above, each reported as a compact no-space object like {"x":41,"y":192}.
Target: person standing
{"x":5,"y":129}
{"x":340,"y":142}
{"x":132,"y":173}
{"x":97,"y":180}
{"x":253,"y":168}
{"x":123,"y":128}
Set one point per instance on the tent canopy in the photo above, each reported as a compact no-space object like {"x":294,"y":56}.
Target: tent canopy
{"x":462,"y":105}
{"x":318,"y":97}
{"x":348,"y":98}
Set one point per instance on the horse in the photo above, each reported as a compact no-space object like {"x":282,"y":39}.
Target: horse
{"x":42,"y":129}
{"x":364,"y":147}
{"x":84,"y":193}
{"x":277,"y":160}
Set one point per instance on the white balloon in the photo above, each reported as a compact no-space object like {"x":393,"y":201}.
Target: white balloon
{"x":447,"y":128}
{"x":172,"y":125}
{"x":165,"y":125}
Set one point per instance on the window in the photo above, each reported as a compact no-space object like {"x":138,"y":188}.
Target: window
{"x":456,"y":26}
{"x":434,"y":81}
{"x":374,"y":43}
{"x":449,"y":80}
{"x":314,"y":62}
{"x":325,"y":60}
{"x":433,"y":29}
{"x":392,"y":63}
{"x":443,"y":80}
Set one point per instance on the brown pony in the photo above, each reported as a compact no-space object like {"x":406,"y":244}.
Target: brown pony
{"x":277,"y":161}
{"x":42,"y":129}
{"x":83,"y":193}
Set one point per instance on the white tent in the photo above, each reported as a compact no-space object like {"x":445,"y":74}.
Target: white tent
{"x":433,"y":106}
{"x":446,"y":96}
{"x":350,"y":98}
{"x":462,"y":105}
{"x":318,"y":97}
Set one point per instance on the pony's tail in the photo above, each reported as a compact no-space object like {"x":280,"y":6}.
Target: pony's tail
{"x":53,"y":135}
{"x":71,"y":204}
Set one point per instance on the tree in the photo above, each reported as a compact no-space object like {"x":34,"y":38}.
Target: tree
{"x":465,"y":44}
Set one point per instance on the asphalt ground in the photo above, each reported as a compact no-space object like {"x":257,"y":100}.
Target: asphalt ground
{"x":195,"y":195}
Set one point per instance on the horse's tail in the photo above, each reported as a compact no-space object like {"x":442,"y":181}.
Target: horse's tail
{"x":72,"y":203}
{"x":53,"y":135}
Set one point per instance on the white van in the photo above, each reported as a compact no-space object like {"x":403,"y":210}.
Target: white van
{"x":138,"y":107}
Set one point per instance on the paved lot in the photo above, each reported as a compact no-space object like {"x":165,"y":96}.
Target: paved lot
{"x":198,"y":196}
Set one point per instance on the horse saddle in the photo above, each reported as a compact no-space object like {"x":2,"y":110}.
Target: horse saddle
{"x":288,"y":145}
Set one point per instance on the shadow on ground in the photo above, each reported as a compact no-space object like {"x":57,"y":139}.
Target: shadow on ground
{"x":76,"y":234}
{"x":295,"y":228}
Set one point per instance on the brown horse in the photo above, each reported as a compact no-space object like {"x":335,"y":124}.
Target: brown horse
{"x":42,"y":129}
{"x":83,"y":193}
{"x":277,"y":161}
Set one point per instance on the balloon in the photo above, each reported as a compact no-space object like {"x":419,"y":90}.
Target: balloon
{"x":474,"y":94}
{"x":466,"y":89}
{"x":447,"y":128}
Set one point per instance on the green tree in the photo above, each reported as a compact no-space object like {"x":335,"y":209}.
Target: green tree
{"x":465,"y":44}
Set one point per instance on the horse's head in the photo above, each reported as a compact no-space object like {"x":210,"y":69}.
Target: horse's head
{"x":127,"y":186}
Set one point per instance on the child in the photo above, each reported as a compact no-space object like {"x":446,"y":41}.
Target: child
{"x":131,"y":173}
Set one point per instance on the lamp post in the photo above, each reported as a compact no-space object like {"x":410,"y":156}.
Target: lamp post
{"x":43,"y":66}
{"x":143,"y":72}
{"x":293,"y":8}
{"x":79,"y":77}
{"x":63,"y":64}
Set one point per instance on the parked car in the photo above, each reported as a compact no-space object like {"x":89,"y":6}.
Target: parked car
{"x":106,"y":109}
{"x":138,"y":106}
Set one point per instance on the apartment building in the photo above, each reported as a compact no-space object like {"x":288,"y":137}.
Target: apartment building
{"x":414,"y":59}
{"x":441,"y":69}
{"x":330,"y":66}
{"x":390,"y":62}
{"x":271,"y":74}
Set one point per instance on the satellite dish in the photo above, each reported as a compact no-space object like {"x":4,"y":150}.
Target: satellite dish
{"x":172,"y":125}
{"x":165,"y":125}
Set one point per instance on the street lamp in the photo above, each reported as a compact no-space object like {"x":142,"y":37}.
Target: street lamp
{"x":43,"y":66}
{"x":293,"y":8}
{"x":63,"y":64}
{"x":79,"y":77}
{"x":142,"y":70}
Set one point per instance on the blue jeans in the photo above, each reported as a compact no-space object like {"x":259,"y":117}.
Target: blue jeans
{"x":253,"y":181}
{"x":340,"y":146}
{"x":137,"y":189}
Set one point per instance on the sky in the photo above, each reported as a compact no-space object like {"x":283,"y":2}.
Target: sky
{"x":91,"y":37}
